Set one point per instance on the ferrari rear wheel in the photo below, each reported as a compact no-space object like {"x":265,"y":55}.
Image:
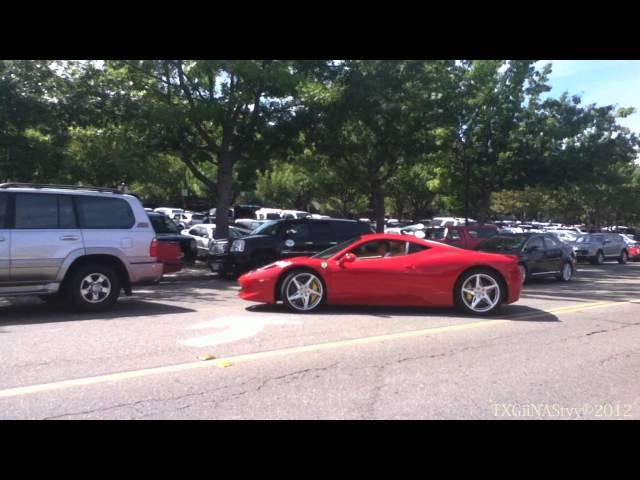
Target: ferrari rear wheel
{"x":479,"y":292}
{"x":302,"y":291}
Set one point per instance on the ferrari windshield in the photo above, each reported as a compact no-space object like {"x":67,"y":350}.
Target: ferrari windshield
{"x":331,"y":251}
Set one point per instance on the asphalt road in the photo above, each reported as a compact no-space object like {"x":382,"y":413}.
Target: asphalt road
{"x":563,"y":351}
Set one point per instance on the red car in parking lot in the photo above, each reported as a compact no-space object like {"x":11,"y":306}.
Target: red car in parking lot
{"x":384,"y":269}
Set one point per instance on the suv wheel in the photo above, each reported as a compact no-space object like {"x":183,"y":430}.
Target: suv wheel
{"x":624,"y":257}
{"x":566,"y":273}
{"x":94,"y":287}
{"x":599,"y":258}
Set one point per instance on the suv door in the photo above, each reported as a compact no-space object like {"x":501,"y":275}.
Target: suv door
{"x":299,"y":243}
{"x":454,"y":237}
{"x":5,"y":239}
{"x":45,"y":233}
{"x":323,"y":236}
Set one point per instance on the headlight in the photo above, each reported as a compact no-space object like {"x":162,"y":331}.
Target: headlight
{"x":219,"y":248}
{"x":237,"y":246}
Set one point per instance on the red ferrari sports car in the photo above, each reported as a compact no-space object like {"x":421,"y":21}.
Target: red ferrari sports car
{"x":392,"y":270}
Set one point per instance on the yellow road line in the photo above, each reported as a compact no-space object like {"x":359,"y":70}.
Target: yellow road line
{"x":226,"y":361}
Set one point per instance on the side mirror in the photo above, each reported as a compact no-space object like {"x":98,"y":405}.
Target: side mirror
{"x":347,"y":258}
{"x":291,"y":231}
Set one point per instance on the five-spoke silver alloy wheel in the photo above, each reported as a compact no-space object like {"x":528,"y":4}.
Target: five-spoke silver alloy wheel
{"x":567,"y":272}
{"x":481,"y":293}
{"x":95,"y":288}
{"x":304,"y":291}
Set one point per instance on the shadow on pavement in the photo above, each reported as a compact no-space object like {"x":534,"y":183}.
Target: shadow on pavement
{"x":508,"y":312}
{"x":24,"y":312}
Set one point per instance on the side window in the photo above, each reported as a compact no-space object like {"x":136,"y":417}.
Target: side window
{"x":535,"y":242}
{"x":473,"y":233}
{"x":36,"y":210}
{"x":3,"y":209}
{"x":551,"y":242}
{"x":194,"y":231}
{"x":379,"y":249}
{"x":302,"y":231}
{"x":415,"y":248}
{"x":487,"y":232}
{"x":453,"y":234}
{"x":322,"y":231}
{"x":99,"y":212}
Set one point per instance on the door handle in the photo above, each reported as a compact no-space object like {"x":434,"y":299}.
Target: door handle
{"x":2,"y":239}
{"x":68,"y":238}
{"x":308,"y":243}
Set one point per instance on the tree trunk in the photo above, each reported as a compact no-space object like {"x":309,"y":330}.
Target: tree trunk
{"x":225,"y":194}
{"x":378,"y":206}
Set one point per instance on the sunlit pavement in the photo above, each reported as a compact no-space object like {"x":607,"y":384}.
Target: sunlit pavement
{"x":189,"y":348}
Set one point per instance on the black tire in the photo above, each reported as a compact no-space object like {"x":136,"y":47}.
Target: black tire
{"x":598,"y":259}
{"x":79,"y":280}
{"x":562,"y":276}
{"x":623,"y":258}
{"x":287,"y":285}
{"x":500,"y":295}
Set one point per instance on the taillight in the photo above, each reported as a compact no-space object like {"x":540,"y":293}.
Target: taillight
{"x":153,"y":250}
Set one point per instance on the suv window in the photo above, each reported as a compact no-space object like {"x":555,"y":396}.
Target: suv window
{"x":302,"y":231}
{"x":482,"y":232}
{"x":99,"y":212}
{"x":44,"y":211}
{"x":3,"y":209}
{"x":322,"y":231}
{"x":453,"y":234}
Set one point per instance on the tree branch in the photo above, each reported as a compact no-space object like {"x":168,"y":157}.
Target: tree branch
{"x":210,"y":143}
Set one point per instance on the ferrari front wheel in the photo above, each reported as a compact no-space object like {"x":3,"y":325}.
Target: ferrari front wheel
{"x":479,"y":292}
{"x":302,"y":291}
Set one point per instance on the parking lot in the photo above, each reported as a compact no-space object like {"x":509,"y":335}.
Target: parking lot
{"x":189,"y":348}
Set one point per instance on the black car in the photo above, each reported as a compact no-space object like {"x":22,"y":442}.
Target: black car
{"x":539,"y":254}
{"x":167,"y":231}
{"x":280,"y":239}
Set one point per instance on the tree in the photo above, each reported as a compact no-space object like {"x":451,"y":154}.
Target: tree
{"x":381,"y":119}
{"x":212,"y":115}
{"x":32,"y":123}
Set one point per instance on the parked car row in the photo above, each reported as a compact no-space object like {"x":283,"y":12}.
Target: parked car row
{"x":84,"y":245}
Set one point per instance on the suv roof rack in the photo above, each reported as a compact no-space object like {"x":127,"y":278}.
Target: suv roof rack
{"x":60,"y":187}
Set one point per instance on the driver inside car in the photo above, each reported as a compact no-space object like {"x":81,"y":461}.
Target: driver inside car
{"x":384,"y":249}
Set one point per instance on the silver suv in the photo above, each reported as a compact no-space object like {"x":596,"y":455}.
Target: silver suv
{"x":75,"y":245}
{"x":598,"y":247}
